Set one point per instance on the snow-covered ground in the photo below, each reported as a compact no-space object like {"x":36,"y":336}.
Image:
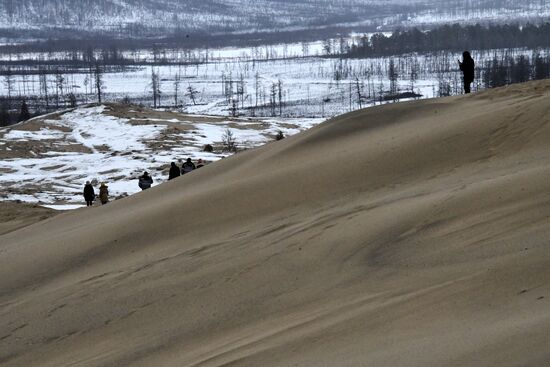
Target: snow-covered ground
{"x":309,"y":86}
{"x":47,"y":160}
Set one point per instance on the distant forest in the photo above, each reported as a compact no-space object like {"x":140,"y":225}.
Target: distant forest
{"x":504,"y":54}
{"x":453,"y":38}
{"x":214,"y":23}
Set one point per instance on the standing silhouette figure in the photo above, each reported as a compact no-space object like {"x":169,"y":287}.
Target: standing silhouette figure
{"x":467,"y":67}
{"x":89,"y":194}
{"x":174,"y":171}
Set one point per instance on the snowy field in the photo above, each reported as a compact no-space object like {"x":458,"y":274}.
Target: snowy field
{"x":47,"y":160}
{"x":310,"y":87}
{"x":243,"y":82}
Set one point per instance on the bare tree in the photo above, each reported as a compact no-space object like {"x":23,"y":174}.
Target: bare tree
{"x":9,"y":83}
{"x":359,"y":93}
{"x":305,"y":49}
{"x":228,"y":88}
{"x":241,"y":90}
{"x":414,"y":74}
{"x":393,"y":75}
{"x":273,"y":98}
{"x":43,"y":80}
{"x":256,"y":87}
{"x":192,"y":93}
{"x":280,"y":87}
{"x":233,"y":107}
{"x":327,"y":47}
{"x":155,"y":86}
{"x":59,"y":86}
{"x":177,"y":80}
{"x":98,"y":81}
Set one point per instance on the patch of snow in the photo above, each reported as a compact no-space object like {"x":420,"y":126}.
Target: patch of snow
{"x":42,"y":134}
{"x":92,"y":128}
{"x":63,"y":207}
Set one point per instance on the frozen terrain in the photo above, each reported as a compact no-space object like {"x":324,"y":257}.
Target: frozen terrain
{"x":295,"y":86}
{"x":47,"y":160}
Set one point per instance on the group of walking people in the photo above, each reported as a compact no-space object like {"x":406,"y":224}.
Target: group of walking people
{"x":145,"y":181}
{"x":187,"y":167}
{"x":89,"y":193}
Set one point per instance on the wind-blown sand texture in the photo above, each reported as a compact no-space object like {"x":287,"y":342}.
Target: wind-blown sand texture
{"x":412,"y":234}
{"x":15,"y":215}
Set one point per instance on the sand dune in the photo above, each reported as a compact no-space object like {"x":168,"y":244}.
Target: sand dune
{"x":14,"y":215}
{"x":413,"y":234}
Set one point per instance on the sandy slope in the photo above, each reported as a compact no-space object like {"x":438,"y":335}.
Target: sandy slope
{"x":15,"y":215}
{"x":413,"y":234}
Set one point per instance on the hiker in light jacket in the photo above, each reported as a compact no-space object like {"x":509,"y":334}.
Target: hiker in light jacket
{"x":103,"y":193}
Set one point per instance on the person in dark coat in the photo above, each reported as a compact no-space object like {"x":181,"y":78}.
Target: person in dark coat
{"x":467,"y":67}
{"x":187,"y":167}
{"x":145,"y":181}
{"x":89,"y":194}
{"x":174,"y":171}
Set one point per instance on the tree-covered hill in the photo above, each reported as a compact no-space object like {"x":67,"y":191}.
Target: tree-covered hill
{"x":136,"y":18}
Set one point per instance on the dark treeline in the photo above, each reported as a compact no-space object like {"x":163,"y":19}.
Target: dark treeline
{"x":81,"y":41}
{"x":142,"y":19}
{"x":506,"y":70}
{"x":453,"y":38}
{"x":28,"y":19}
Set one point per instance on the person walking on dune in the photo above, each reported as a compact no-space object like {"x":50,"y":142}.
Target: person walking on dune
{"x":467,"y":67}
{"x":89,"y":194}
{"x":187,"y":167}
{"x":145,"y":181}
{"x":103,"y":193}
{"x":174,"y":171}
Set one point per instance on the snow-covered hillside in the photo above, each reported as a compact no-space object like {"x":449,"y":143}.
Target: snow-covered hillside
{"x":220,"y":15}
{"x":48,"y":159}
{"x":140,"y":17}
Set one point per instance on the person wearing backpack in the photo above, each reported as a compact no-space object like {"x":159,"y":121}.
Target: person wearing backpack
{"x":145,"y":181}
{"x":89,"y":194}
{"x":187,"y":167}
